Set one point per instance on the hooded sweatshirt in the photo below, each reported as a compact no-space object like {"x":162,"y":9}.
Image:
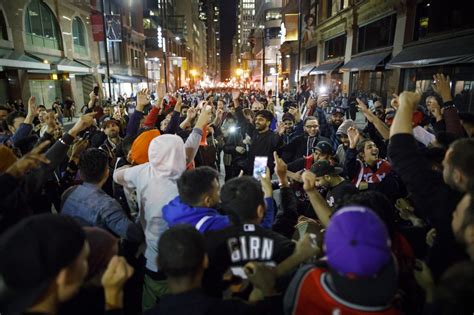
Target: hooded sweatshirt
{"x":155,"y":184}
{"x":203,"y":219}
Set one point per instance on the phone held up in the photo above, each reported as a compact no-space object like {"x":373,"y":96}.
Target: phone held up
{"x":259,"y":167}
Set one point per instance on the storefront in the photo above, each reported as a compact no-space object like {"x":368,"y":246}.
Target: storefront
{"x":368,"y":73}
{"x":306,"y":78}
{"x":451,"y":56}
{"x":328,"y":77}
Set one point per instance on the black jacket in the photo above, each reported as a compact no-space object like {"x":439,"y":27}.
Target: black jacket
{"x":301,"y":146}
{"x":21,"y":201}
{"x":435,"y":200}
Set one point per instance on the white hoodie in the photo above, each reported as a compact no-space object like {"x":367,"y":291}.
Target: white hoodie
{"x":155,"y":184}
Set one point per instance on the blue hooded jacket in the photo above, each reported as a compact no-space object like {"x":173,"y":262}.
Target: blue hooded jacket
{"x":203,"y":219}
{"x":206,"y":219}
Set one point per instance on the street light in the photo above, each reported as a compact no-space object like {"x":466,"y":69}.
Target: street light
{"x":239,"y":71}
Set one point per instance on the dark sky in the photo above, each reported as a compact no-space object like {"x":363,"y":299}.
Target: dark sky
{"x":228,"y":9}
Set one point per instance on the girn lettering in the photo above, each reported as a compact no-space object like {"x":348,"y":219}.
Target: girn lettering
{"x":250,"y":248}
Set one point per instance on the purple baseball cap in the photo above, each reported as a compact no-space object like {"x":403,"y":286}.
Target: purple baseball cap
{"x":357,"y":242}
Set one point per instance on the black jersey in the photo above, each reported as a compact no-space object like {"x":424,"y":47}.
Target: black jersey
{"x":235,"y":246}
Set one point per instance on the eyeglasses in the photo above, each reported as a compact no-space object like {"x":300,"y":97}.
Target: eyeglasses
{"x":312,"y":126}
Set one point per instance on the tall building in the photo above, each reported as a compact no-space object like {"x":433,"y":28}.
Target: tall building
{"x":245,"y":23}
{"x":267,"y":44}
{"x":170,"y":43}
{"x":209,"y":13}
{"x":48,"y":49}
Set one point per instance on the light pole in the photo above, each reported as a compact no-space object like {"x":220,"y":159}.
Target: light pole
{"x":262,"y":28}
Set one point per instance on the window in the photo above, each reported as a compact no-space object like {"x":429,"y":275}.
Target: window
{"x":335,"y":47}
{"x":272,"y":15}
{"x":3,"y":27}
{"x":41,"y":26}
{"x":79,"y":36}
{"x":310,"y":55}
{"x":434,"y":17}
{"x":377,"y":34}
{"x":272,"y":32}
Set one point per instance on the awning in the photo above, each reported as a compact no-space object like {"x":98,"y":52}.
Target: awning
{"x":118,"y":78}
{"x":443,"y":52}
{"x":365,"y":62}
{"x":62,"y":64}
{"x":12,"y":59}
{"x":326,"y":67}
{"x":305,"y":70}
{"x":86,"y":63}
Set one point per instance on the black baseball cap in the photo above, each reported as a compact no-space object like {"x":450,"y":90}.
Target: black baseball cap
{"x":324,"y":147}
{"x":321,"y":168}
{"x":337,"y":110}
{"x":32,"y":253}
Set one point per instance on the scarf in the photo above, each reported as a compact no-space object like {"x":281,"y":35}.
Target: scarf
{"x":366,"y":174}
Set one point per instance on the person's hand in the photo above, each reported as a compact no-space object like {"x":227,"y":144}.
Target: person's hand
{"x":430,"y":237}
{"x":354,"y":137}
{"x":423,"y":275}
{"x":441,"y":86}
{"x":240,"y":150}
{"x":247,"y":140}
{"x":309,"y":181}
{"x":306,"y":247}
{"x":50,"y":121}
{"x":266,"y":181}
{"x":115,"y":276}
{"x":142,"y":99}
{"x":29,"y":161}
{"x":179,"y":104}
{"x":296,"y":113}
{"x":262,"y":277}
{"x":280,"y":128}
{"x":281,"y":170}
{"x":82,"y":124}
{"x":191,"y":113}
{"x":204,"y":118}
{"x":409,"y":100}
{"x":362,"y":106}
{"x":79,"y":147}
{"x":31,"y":110}
{"x":92,"y":99}
{"x":394,"y":103}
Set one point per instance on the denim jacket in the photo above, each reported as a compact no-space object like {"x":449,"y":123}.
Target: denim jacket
{"x":92,"y":206}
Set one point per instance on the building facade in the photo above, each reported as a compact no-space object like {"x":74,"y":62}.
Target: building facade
{"x":378,"y":47}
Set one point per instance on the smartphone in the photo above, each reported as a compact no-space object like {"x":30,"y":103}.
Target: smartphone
{"x":96,"y":90}
{"x":259,"y":166}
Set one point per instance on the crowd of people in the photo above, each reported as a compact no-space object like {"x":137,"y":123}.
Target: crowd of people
{"x":238,"y":202}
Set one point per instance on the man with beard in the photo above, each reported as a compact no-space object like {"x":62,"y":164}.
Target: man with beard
{"x":303,"y":145}
{"x":111,"y":130}
{"x":263,"y":141}
{"x":435,"y":197}
{"x":336,"y":119}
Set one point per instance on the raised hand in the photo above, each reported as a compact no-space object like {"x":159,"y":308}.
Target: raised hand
{"x":441,"y":86}
{"x":204,"y":118}
{"x":266,"y":182}
{"x":142,"y":99}
{"x":29,"y":161}
{"x":79,"y":147}
{"x":354,"y":137}
{"x":409,"y":100}
{"x":82,"y":124}
{"x":280,"y":128}
{"x":281,"y":169}
{"x":31,"y":110}
{"x":394,"y":103}
{"x":362,"y":106}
